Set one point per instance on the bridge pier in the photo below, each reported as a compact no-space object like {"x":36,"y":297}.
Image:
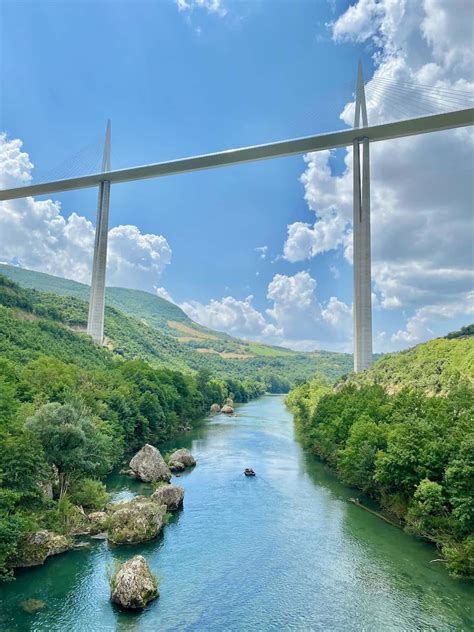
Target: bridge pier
{"x":95,"y":321}
{"x":362,"y":302}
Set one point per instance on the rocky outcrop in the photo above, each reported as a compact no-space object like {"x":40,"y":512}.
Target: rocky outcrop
{"x":36,"y":547}
{"x":149,"y":466}
{"x":169,"y":495}
{"x":176,"y":467}
{"x":184,"y":457}
{"x":228,"y":410}
{"x":97,"y":522}
{"x":215,"y":408}
{"x":133,"y":585}
{"x":50,"y":484}
{"x":139,"y":520}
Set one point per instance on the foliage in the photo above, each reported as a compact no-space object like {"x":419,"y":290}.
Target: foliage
{"x":412,"y":452}
{"x":90,"y":494}
{"x":139,"y":325}
{"x":70,"y":407}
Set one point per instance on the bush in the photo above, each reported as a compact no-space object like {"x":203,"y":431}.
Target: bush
{"x":90,"y":494}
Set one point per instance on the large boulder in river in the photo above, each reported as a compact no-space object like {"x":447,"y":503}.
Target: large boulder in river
{"x":36,"y":547}
{"x":97,"y":522}
{"x":138,"y":520}
{"x":215,"y":408}
{"x":169,"y":495}
{"x":149,"y":466}
{"x":228,"y":410}
{"x":133,"y":585}
{"x":183,"y":456}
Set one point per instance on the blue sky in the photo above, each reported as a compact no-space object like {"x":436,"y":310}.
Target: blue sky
{"x":180,"y":79}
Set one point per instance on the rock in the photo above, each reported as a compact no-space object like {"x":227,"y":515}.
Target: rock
{"x":183,"y":456}
{"x":99,"y":536}
{"x":50,"y":483}
{"x":46,"y":488}
{"x":176,"y":466}
{"x":149,"y":466}
{"x":169,"y":495}
{"x":228,"y":410}
{"x":32,"y":605}
{"x":133,"y":586}
{"x":36,"y":547}
{"x":97,"y":522}
{"x":249,"y":471}
{"x":215,"y":408}
{"x":138,"y":520}
{"x":81,"y":545}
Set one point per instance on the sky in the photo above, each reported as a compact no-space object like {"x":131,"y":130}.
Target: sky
{"x":262,"y":251}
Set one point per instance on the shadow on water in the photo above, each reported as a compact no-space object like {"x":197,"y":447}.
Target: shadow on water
{"x":282,"y":551}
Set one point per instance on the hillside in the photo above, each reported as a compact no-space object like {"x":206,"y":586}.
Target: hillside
{"x":402,"y":433}
{"x":432,"y":366}
{"x":145,"y":326}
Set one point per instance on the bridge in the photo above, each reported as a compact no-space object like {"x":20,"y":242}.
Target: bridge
{"x":359,"y":137}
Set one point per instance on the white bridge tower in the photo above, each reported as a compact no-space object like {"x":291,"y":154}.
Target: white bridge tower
{"x":95,"y":321}
{"x":362,"y":303}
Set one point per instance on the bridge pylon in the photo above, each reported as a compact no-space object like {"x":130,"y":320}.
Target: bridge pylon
{"x":362,"y":302}
{"x":95,"y":321}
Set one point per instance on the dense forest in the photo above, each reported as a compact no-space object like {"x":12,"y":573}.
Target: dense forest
{"x":144,"y":326}
{"x":71,"y":410}
{"x":402,"y":432}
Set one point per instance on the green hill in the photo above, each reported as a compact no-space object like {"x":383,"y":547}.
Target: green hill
{"x":433,"y":366}
{"x":147,"y":327}
{"x":402,"y":433}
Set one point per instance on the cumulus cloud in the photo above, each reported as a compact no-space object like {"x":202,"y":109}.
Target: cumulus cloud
{"x":421,"y":187}
{"x":230,"y":315}
{"x":295,"y":319}
{"x":35,"y":234}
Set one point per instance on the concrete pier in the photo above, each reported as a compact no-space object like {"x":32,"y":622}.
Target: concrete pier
{"x":362,"y":303}
{"x":95,"y":321}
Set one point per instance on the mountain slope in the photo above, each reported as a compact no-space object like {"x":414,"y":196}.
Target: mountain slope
{"x":145,"y":326}
{"x":433,"y":366}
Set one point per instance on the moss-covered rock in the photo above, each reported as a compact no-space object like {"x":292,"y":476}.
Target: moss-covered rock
{"x":149,"y":466}
{"x":169,"y":495}
{"x":98,"y":521}
{"x":184,"y":456}
{"x":133,"y":585}
{"x":139,"y":520}
{"x":36,"y":547}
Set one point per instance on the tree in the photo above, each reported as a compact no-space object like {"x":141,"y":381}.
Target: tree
{"x":71,"y":442}
{"x":356,"y":461}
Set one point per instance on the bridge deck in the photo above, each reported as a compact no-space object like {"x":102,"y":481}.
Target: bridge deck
{"x":332,"y":140}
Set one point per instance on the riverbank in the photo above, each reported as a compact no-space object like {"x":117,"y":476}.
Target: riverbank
{"x":283,"y":550}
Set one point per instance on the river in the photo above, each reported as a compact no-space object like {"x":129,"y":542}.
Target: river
{"x":282,"y":551}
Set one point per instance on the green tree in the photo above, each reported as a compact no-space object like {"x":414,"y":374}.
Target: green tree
{"x":356,"y":461}
{"x":71,"y":442}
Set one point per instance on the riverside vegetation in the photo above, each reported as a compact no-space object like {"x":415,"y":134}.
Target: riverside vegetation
{"x":70,"y":411}
{"x":402,"y":432}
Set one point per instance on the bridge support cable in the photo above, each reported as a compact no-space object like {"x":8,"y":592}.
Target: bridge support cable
{"x":95,"y":321}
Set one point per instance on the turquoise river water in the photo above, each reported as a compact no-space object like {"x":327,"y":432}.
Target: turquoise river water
{"x":282,"y":551}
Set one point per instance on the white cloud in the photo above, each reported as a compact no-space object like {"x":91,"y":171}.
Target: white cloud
{"x":263,"y":250}
{"x":421,"y":187}
{"x":420,"y":325}
{"x":295,"y":320}
{"x":230,"y":315}
{"x":211,"y":6}
{"x":163,"y":293}
{"x":34,"y":234}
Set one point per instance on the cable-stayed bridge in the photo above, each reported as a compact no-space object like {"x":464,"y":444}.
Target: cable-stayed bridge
{"x":404,"y":108}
